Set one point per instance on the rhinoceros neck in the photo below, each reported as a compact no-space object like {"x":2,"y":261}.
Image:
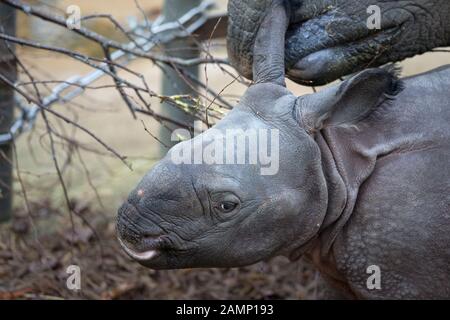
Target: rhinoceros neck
{"x":349,"y":158}
{"x":346,"y":169}
{"x":337,"y":193}
{"x":406,"y":124}
{"x":335,"y":197}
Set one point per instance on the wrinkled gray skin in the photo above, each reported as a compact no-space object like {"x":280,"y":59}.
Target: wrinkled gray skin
{"x":328,"y":39}
{"x":364,"y":179}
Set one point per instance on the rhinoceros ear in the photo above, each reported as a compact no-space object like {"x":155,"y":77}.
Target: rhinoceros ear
{"x":350,"y":102}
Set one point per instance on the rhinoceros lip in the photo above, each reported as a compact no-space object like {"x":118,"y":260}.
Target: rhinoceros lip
{"x":139,"y":256}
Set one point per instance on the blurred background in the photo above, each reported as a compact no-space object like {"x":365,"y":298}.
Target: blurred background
{"x":37,"y":244}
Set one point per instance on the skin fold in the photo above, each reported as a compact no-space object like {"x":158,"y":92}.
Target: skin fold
{"x":328,"y":39}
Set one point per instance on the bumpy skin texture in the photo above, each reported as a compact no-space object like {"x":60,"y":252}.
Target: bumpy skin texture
{"x":395,"y":166}
{"x":328,"y":39}
{"x":364,"y":179}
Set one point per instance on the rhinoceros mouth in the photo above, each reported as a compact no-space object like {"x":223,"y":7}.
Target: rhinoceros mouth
{"x":139,"y":256}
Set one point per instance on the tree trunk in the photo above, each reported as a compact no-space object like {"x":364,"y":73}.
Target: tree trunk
{"x":7,"y":69}
{"x":173,"y":84}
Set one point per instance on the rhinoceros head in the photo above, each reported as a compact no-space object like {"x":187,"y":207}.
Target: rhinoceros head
{"x":252,"y":186}
{"x":247,"y":189}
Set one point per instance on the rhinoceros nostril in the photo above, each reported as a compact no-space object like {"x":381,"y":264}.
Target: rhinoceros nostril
{"x":150,"y":243}
{"x":126,"y":231}
{"x":140,"y":239}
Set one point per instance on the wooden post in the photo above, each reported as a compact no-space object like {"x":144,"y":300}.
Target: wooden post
{"x":172,"y":83}
{"x":7,"y":69}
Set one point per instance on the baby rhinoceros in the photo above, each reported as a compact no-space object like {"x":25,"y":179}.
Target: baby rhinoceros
{"x":361,"y":186}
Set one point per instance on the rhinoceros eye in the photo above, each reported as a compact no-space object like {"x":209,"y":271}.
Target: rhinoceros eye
{"x":224,"y":202}
{"x":227,"y":206}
